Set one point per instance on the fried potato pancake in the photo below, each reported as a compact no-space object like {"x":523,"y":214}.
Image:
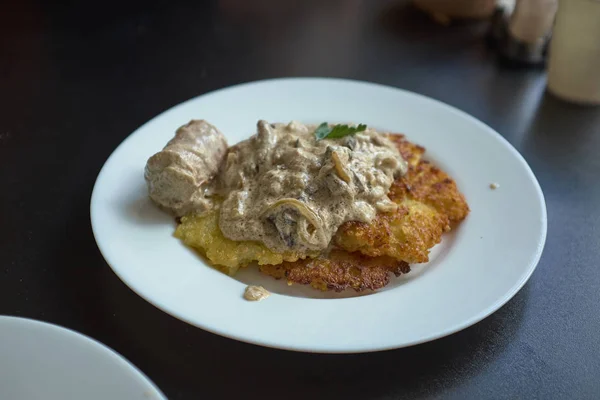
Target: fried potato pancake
{"x":406,"y":234}
{"x":203,"y":234}
{"x":339,"y":270}
{"x":429,"y":203}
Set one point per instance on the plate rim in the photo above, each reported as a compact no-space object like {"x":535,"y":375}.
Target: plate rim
{"x":372,"y":348}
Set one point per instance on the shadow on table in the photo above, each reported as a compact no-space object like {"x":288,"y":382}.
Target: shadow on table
{"x":407,"y":22}
{"x":564,"y":130}
{"x":560,"y":144}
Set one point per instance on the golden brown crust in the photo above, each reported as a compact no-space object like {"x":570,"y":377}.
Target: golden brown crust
{"x":339,"y":271}
{"x":411,"y":152}
{"x":406,"y":234}
{"x":428,"y":184}
{"x":428,"y":201}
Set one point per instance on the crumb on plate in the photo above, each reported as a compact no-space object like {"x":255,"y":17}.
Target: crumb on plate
{"x":256,"y":293}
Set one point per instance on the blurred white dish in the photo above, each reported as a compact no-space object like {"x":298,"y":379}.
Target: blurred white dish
{"x":41,"y":361}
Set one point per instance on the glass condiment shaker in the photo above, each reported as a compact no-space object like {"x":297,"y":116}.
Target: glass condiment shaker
{"x":522,"y":31}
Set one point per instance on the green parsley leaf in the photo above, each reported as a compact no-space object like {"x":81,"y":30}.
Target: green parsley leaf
{"x":338,"y":131}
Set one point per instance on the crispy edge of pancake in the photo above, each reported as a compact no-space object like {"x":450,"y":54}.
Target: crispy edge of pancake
{"x":428,"y":203}
{"x":427,"y":183}
{"x":411,"y":152}
{"x":406,"y":234}
{"x":338,"y":271}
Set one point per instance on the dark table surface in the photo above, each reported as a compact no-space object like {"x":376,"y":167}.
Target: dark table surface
{"x":76,"y":80}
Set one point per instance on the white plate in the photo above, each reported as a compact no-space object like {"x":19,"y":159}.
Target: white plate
{"x":476,"y":269}
{"x":43,"y":361}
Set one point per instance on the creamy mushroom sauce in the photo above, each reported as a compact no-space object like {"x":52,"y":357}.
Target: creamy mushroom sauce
{"x":291,"y":192}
